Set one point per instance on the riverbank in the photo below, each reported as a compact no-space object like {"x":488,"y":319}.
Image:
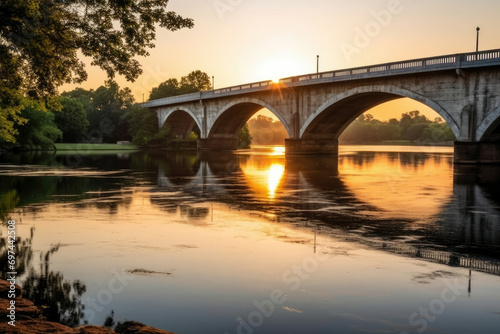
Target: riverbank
{"x":27,"y":318}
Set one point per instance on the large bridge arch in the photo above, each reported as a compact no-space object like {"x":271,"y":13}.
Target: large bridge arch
{"x":181,"y":121}
{"x":335,"y":115}
{"x":233,"y":116}
{"x":489,"y":129}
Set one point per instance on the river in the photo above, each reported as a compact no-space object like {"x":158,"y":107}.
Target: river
{"x":382,"y":239}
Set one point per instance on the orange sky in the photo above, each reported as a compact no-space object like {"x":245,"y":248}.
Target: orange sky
{"x":251,"y":40}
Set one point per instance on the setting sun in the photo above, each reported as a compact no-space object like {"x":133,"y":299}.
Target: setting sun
{"x":280,"y":65}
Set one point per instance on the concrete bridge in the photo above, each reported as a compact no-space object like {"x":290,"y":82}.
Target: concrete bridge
{"x":464,"y":89}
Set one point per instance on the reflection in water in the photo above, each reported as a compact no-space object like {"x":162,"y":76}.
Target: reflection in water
{"x":58,"y":298}
{"x":228,"y":228}
{"x":274,"y":176}
{"x":412,"y":186}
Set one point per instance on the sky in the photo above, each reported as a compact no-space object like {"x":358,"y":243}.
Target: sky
{"x":243,"y":41}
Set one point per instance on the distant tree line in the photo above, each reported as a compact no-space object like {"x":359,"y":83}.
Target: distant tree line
{"x":40,"y":47}
{"x":412,"y":127}
{"x":105,"y":115}
{"x":267,"y":131}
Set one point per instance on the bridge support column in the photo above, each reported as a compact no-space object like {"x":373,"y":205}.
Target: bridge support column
{"x":477,"y":153}
{"x":311,"y":147}
{"x":217,"y":144}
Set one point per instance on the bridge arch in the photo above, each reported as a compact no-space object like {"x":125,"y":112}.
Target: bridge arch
{"x":230,"y":119}
{"x":489,"y":129}
{"x":181,"y":121}
{"x":336,"y":114}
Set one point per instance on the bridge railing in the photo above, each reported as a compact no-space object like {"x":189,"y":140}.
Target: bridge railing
{"x":409,"y":66}
{"x":448,"y":62}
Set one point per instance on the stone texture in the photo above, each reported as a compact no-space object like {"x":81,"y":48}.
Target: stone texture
{"x":132,"y":327}
{"x":29,"y":320}
{"x":5,"y":288}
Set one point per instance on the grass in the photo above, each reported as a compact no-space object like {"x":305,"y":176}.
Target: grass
{"x":84,"y":147}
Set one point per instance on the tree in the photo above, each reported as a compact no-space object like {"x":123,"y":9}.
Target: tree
{"x":40,"y":129}
{"x":143,"y":125}
{"x":195,"y":81}
{"x":109,"y":112}
{"x":267,"y":131}
{"x":71,"y":120}
{"x":40,"y":39}
{"x":244,"y":137}
{"x":165,"y":89}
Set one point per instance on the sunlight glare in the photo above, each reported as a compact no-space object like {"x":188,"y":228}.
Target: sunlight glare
{"x":279,"y":66}
{"x":278,"y":150}
{"x":275,"y":174}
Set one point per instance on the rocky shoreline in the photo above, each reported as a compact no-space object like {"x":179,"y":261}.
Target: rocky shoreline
{"x":29,"y":319}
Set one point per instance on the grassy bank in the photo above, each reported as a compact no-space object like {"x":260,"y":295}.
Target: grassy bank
{"x":95,"y":147}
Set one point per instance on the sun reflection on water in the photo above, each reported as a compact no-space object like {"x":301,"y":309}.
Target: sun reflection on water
{"x":275,"y":174}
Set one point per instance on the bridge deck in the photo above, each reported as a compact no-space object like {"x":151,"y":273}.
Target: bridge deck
{"x":423,"y":65}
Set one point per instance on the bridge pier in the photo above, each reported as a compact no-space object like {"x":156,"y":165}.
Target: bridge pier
{"x":311,"y":147}
{"x":219,"y":144}
{"x":477,"y":153}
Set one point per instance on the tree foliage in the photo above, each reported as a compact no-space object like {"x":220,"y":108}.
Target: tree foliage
{"x":40,"y":39}
{"x":266,"y":131}
{"x":244,"y":137}
{"x":71,"y":120}
{"x":412,"y":127}
{"x":40,"y":43}
{"x":40,"y":129}
{"x":108,"y":110}
{"x":195,"y":81}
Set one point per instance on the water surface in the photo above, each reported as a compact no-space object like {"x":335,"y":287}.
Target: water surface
{"x":380,"y":240}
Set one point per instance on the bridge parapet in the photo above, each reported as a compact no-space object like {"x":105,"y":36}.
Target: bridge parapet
{"x":440,"y":63}
{"x":449,"y":62}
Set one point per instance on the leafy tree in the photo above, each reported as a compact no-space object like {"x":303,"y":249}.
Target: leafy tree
{"x":412,"y":127}
{"x":244,"y":137}
{"x":165,"y":89}
{"x":40,"y":129}
{"x":195,"y":81}
{"x":267,"y":131}
{"x":11,"y":105}
{"x":71,"y":120}
{"x":143,"y":125}
{"x":109,"y":112}
{"x":40,"y":39}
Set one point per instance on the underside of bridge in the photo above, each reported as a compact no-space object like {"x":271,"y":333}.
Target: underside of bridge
{"x":321,"y":135}
{"x":224,"y":133}
{"x":181,"y":125}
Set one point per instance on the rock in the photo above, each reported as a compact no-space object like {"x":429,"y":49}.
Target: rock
{"x":133,"y":327}
{"x":5,"y":288}
{"x":35,"y":327}
{"x":24,"y":309}
{"x":88,"y":329}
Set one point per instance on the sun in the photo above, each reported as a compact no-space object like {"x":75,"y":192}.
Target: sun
{"x":279,"y":66}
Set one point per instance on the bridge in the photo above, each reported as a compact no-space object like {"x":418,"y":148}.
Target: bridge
{"x":464,"y":89}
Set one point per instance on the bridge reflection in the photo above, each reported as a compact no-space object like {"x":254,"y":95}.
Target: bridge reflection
{"x":409,"y":203}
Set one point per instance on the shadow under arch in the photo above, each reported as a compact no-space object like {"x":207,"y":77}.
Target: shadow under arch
{"x":231,"y":119}
{"x":181,"y":121}
{"x":335,"y":115}
{"x":489,"y":129}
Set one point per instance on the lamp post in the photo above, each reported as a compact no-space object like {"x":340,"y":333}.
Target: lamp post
{"x":213,"y":82}
{"x":317,"y":64}
{"x":477,"y":39}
